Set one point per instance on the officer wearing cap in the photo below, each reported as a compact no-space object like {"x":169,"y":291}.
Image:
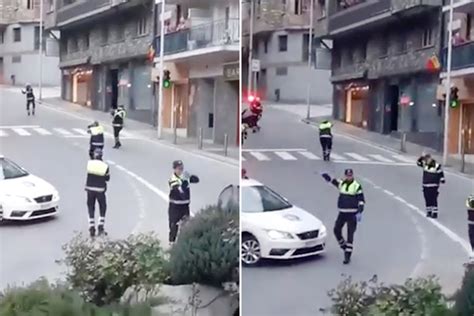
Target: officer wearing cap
{"x":96,"y":186}
{"x":118,"y":116}
{"x":325,"y":138}
{"x":179,"y":197}
{"x":433,"y":175}
{"x":351,"y":204}
{"x":97,"y":137}
{"x":470,"y":221}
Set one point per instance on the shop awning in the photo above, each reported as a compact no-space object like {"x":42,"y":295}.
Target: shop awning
{"x":348,"y":77}
{"x":75,"y":62}
{"x":465,"y":88}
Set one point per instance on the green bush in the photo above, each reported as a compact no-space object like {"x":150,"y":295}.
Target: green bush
{"x":42,"y":299}
{"x":207,"y":249}
{"x":464,"y":298}
{"x":416,"y":297}
{"x":102,"y":270}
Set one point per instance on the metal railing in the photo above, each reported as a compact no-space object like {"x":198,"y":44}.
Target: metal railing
{"x":463,"y":56}
{"x":216,"y":33}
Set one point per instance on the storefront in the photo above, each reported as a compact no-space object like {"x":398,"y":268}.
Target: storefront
{"x":352,"y":100}
{"x":77,"y":85}
{"x":232,"y":76}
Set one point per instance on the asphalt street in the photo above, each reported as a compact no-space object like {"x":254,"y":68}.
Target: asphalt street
{"x":394,"y":240}
{"x":54,"y":146}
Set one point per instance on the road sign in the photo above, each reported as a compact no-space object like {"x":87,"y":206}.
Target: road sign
{"x":255,"y":65}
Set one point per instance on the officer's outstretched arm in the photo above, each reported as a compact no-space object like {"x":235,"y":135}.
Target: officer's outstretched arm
{"x":107,"y":175}
{"x":420,"y":162}
{"x":441,"y":174}
{"x":335,"y":183}
{"x":360,"y":197}
{"x":194,"y":179}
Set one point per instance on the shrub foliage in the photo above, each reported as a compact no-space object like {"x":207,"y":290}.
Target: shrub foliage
{"x":465,"y":296}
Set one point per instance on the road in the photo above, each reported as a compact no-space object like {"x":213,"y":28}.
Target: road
{"x":394,"y":240}
{"x":53,"y":145}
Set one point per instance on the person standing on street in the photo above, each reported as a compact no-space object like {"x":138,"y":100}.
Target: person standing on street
{"x":179,"y":197}
{"x":118,"y":116}
{"x":433,"y":175}
{"x":325,"y":138}
{"x":97,"y":137}
{"x":96,"y":186}
{"x":470,"y":221}
{"x":30,"y":98}
{"x":351,"y":204}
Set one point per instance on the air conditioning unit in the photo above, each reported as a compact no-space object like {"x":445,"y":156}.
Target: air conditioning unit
{"x":118,"y":2}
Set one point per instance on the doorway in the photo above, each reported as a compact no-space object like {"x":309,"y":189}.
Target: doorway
{"x":393,"y":96}
{"x":114,"y":81}
{"x":468,"y":127}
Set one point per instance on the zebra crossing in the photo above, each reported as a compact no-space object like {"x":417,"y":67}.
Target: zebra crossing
{"x":267,"y":155}
{"x":34,"y":130}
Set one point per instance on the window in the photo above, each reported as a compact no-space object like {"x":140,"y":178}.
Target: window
{"x":305,"y":46}
{"x":363,"y":52}
{"x":383,"y":45}
{"x":283,"y":43}
{"x":142,"y":27}
{"x":2,"y":37}
{"x":74,"y":46}
{"x":281,"y":71}
{"x":36,"y":37}
{"x":256,"y":199}
{"x":227,"y":17}
{"x":51,"y":5}
{"x":349,"y":56}
{"x":320,"y":9}
{"x":265,"y":46}
{"x":10,"y":170}
{"x":67,"y":2}
{"x":298,"y":7}
{"x":17,"y":34}
{"x":30,"y":4}
{"x":401,"y":43}
{"x":63,"y":45}
{"x":16,"y":59}
{"x":104,"y":39}
{"x":120,"y":32}
{"x":427,"y":38}
{"x":86,"y":41}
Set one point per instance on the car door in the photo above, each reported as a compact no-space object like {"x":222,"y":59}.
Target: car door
{"x":228,"y":200}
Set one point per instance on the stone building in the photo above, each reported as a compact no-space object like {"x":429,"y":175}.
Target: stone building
{"x":19,"y":45}
{"x":384,"y":70}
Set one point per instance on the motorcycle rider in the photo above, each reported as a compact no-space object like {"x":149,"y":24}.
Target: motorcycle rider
{"x":253,"y":113}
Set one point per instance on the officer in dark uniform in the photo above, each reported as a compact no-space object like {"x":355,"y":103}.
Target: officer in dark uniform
{"x":351,"y":204}
{"x":470,"y":221}
{"x":243,"y":174}
{"x":118,"y":117}
{"x":179,"y":198}
{"x":30,"y":98}
{"x":97,"y":137}
{"x":433,"y":175}
{"x":325,"y":138}
{"x":96,"y":186}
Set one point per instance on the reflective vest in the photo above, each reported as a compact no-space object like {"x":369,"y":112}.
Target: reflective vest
{"x":97,"y":176}
{"x":97,"y":135}
{"x":350,"y":196}
{"x":470,"y":210}
{"x":325,"y":130}
{"x":118,"y":117}
{"x":29,"y":94}
{"x":432,"y":175}
{"x":178,"y":194}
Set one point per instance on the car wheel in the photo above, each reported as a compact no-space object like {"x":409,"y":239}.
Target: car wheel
{"x":250,"y":250}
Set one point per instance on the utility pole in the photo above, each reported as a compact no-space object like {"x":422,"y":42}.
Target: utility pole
{"x":310,"y":53}
{"x":250,"y":74}
{"x":162,"y":68}
{"x":448,"y":83}
{"x":40,"y":52}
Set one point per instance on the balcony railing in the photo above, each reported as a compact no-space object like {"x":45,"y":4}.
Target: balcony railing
{"x":359,"y":12}
{"x":216,"y":33}
{"x":80,"y":8}
{"x":463,"y":56}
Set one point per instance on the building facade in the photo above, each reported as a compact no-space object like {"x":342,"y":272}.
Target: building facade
{"x":461,"y":117}
{"x":103,"y":54}
{"x":201,"y":52}
{"x":19,"y":45}
{"x":280,"y":43}
{"x":385,"y":68}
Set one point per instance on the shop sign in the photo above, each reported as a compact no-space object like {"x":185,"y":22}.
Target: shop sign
{"x":232,"y":71}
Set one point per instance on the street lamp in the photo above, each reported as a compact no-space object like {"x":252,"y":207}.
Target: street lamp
{"x":40,"y":52}
{"x":250,"y":71}
{"x":162,"y":68}
{"x":310,"y":52}
{"x":448,"y":83}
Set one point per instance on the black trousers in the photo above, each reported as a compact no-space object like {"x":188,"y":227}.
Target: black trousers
{"x":326,"y":145}
{"x":32,"y":103}
{"x":431,"y":200}
{"x":100,"y":197}
{"x":471,"y":235}
{"x":350,"y":220}
{"x":92,"y":148}
{"x":117,"y":130}
{"x":176,"y":213}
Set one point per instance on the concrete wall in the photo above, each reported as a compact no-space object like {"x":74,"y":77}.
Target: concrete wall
{"x":200,"y":108}
{"x":226,"y":109}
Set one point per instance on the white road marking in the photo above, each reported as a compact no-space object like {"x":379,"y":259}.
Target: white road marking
{"x":389,"y":192}
{"x":309,"y":155}
{"x":357,"y":157}
{"x":285,"y":155}
{"x":272,"y":150}
{"x":335,"y":156}
{"x":21,"y":131}
{"x":404,"y":159}
{"x":374,"y":163}
{"x":62,"y":131}
{"x":3,"y":134}
{"x":81,"y":131}
{"x":259,"y":156}
{"x":380,"y":158}
{"x":17,"y":126}
{"x":400,"y":199}
{"x":42,"y":131}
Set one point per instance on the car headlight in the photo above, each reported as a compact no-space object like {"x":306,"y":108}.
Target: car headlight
{"x":55,"y":195}
{"x":323,"y":231}
{"x":18,"y":199}
{"x":277,"y":234}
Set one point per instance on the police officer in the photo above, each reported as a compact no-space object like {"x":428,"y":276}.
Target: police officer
{"x":30,"y":98}
{"x":96,"y":186}
{"x":243,"y":174}
{"x":118,"y":116}
{"x":97,"y":137}
{"x":433,"y":175}
{"x":325,"y":138}
{"x":351,"y":204}
{"x":470,"y":221}
{"x":179,"y":197}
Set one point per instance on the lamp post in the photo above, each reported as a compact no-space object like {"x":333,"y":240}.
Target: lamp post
{"x":40,"y":52}
{"x":162,"y":68}
{"x":310,"y":53}
{"x":250,"y":73}
{"x":448,"y":83}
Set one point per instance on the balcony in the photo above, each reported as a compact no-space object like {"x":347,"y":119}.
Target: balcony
{"x":463,"y":56}
{"x":201,"y":39}
{"x":80,"y":10}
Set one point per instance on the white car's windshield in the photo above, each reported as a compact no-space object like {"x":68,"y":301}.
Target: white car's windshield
{"x":9,"y":170}
{"x":257,"y":199}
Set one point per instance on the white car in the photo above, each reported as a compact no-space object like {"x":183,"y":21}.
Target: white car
{"x":24,"y":196}
{"x":273,"y":228}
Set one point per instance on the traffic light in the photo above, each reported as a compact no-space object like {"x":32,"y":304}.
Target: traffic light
{"x":454,"y":98}
{"x":166,"y":79}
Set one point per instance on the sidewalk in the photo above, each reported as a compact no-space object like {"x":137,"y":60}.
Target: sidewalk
{"x":143,"y":130}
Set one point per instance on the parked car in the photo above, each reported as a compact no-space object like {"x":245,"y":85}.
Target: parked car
{"x":228,"y":199}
